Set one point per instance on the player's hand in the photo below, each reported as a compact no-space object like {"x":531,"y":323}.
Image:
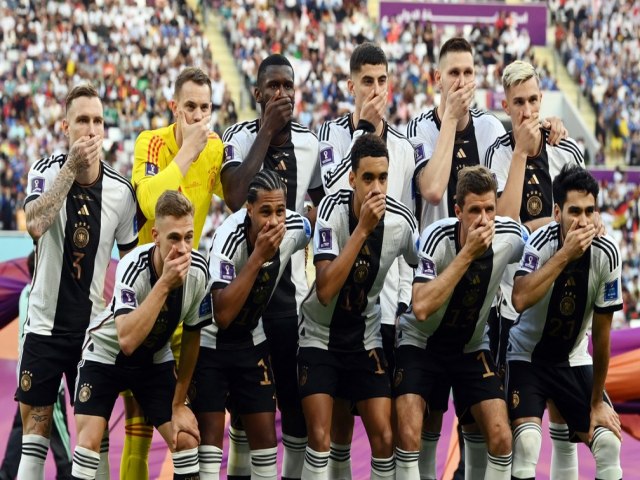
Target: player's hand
{"x":176,"y":267}
{"x":196,"y":135}
{"x":268,"y":241}
{"x":578,"y":240}
{"x":601,"y":230}
{"x":557,"y":130}
{"x":374,"y":107}
{"x":277,"y":113}
{"x":372,"y":210}
{"x":85,"y":152}
{"x":603,"y":415}
{"x":459,"y":100}
{"x":183,"y":420}
{"x":526,"y":133}
{"x":479,"y":236}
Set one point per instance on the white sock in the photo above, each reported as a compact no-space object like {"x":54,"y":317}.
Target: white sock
{"x":293,"y":458}
{"x":264,"y":463}
{"x":239,"y":463}
{"x":340,"y":462}
{"x":383,"y":468}
{"x":85,"y":464}
{"x":315,"y":465}
{"x":34,"y":454}
{"x":185,"y":462}
{"x":407,"y":465}
{"x":564,"y":454}
{"x":498,"y":467}
{"x":475,"y":456}
{"x":605,"y":447}
{"x":527,"y":440}
{"x":427,"y":459}
{"x":104,"y":472}
{"x":210,"y":458}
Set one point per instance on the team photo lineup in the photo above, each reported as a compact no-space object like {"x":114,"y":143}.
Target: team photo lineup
{"x":322,"y":273}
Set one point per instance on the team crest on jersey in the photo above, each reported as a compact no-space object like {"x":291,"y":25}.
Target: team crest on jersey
{"x":303,"y":377}
{"x":326,"y":156}
{"x":418,"y":153}
{"x":567,"y":306}
{"x":534,"y":205}
{"x":325,"y":239}
{"x":530,"y":261}
{"x":84,"y":394}
{"x":227,"y":271}
{"x":228,"y":152}
{"x":205,"y":306}
{"x":361,"y":271}
{"x":428,"y":267}
{"x":81,"y":235}
{"x":37,"y":185}
{"x":151,"y":169}
{"x":611,"y":291}
{"x":25,"y":381}
{"x":515,"y":399}
{"x":128,"y":297}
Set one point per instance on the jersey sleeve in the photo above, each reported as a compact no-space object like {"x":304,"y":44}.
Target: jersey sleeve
{"x":316,"y":177}
{"x":498,"y":160}
{"x":236,"y":146}
{"x":128,"y":292}
{"x":334,"y":160}
{"x":222,"y":269}
{"x":216,"y":149}
{"x":325,"y":237}
{"x":201,"y":311}
{"x":410,"y":251}
{"x":148,"y":180}
{"x":39,"y":180}
{"x":422,"y":149}
{"x":431,"y":249}
{"x":127,"y":231}
{"x":535,"y":254}
{"x":609,"y":297}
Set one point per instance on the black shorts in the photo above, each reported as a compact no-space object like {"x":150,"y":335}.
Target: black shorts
{"x":43,"y":361}
{"x":388,"y":332}
{"x":530,"y":386}
{"x":99,"y":384}
{"x":244,"y":375}
{"x":282,"y":337}
{"x":355,"y":376}
{"x":472,"y":377}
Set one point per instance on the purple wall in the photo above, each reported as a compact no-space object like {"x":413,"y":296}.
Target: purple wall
{"x":530,"y":16}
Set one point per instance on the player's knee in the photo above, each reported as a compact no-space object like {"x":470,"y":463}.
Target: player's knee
{"x":37,"y":421}
{"x":319,"y":437}
{"x":382,"y":442}
{"x":499,"y":441}
{"x":409,"y":435}
{"x":186,"y":441}
{"x":527,"y":440}
{"x":606,"y":451}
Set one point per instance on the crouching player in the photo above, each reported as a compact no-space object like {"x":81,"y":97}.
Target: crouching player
{"x":128,"y":345}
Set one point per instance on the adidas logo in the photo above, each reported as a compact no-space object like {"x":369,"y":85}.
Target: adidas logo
{"x":281,"y":166}
{"x":83,"y":211}
{"x":461,"y":153}
{"x":533,"y":180}
{"x":571,"y":282}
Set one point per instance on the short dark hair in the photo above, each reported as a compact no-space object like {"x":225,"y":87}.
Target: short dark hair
{"x":274,"y":60}
{"x":82,"y":90}
{"x":268,"y":181}
{"x":478,"y":180}
{"x":455,"y":44}
{"x":368,"y":145}
{"x":191,"y":74}
{"x":173,"y":203}
{"x":572,"y":177}
{"x":367,"y":53}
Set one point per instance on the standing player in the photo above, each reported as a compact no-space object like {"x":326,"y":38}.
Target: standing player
{"x":275,"y":142}
{"x":76,"y":207}
{"x":249,"y":253}
{"x":358,"y":236}
{"x":568,"y":282}
{"x":183,"y":156}
{"x":462,"y":260}
{"x":369,"y":87}
{"x":158,"y":285}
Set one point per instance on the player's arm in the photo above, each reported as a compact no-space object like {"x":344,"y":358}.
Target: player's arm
{"x":236,"y":178}
{"x":316,"y":194}
{"x":430,"y":296}
{"x":530,"y":288}
{"x":434,"y":177}
{"x":135,"y":326}
{"x":182,"y":418}
{"x":228,"y":301}
{"x":42,"y":211}
{"x":331,"y":274}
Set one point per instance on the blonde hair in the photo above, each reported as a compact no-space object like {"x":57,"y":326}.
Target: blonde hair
{"x":518,"y":72}
{"x":173,"y":204}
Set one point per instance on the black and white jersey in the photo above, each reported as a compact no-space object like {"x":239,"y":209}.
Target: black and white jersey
{"x":297,"y":163}
{"x":459,"y":325}
{"x":336,"y":138}
{"x":229,"y":253}
{"x":537,"y":193}
{"x":469,"y":149}
{"x":135,"y":277}
{"x":351,"y":321}
{"x":73,"y":255}
{"x":554,"y":330}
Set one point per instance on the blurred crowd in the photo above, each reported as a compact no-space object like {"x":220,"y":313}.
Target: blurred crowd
{"x":600,"y":44}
